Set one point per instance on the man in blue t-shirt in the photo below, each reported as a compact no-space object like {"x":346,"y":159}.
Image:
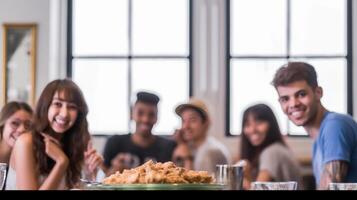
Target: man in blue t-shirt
{"x":335,"y":135}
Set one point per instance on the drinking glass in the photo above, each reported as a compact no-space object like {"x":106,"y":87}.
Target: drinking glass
{"x":3,"y":168}
{"x":230,"y":175}
{"x":290,"y":185}
{"x":342,"y":186}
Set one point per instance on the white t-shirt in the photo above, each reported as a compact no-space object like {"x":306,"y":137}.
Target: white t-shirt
{"x":11,"y":181}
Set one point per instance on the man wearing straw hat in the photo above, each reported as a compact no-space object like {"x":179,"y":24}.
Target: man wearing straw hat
{"x":207,"y":151}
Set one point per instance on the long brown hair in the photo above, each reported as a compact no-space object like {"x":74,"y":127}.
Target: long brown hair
{"x":74,"y":141}
{"x":264,"y":113}
{"x":9,"y":109}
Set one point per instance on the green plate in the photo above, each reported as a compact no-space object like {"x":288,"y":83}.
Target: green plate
{"x":155,"y":187}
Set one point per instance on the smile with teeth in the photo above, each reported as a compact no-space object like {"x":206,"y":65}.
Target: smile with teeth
{"x":143,"y":126}
{"x":61,"y":122}
{"x":187,"y":133}
{"x":298,"y":113}
{"x":255,"y":137}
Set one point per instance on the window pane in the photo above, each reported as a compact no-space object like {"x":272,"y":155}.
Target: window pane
{"x":334,"y":90}
{"x":318,"y":27}
{"x":167,"y":78}
{"x":105,"y":87}
{"x":258,"y":27}
{"x":100,"y":27}
{"x":250,"y":84}
{"x":160,"y":27}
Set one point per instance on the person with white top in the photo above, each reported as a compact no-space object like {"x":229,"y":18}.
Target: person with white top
{"x":206,"y":150}
{"x":53,"y":155}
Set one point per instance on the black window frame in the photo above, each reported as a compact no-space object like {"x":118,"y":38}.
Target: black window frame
{"x":70,"y":57}
{"x":348,"y":57}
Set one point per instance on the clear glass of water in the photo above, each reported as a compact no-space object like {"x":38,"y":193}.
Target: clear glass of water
{"x":342,"y":186}
{"x":290,"y":185}
{"x":3,"y":168}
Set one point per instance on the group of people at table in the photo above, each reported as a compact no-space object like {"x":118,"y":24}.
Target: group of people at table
{"x":51,"y":148}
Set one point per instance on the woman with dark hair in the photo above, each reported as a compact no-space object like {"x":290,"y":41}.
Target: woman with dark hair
{"x":15,"y":119}
{"x":266,"y":156}
{"x":53,"y":156}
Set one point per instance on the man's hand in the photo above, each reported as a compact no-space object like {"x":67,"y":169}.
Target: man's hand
{"x":178,"y":136}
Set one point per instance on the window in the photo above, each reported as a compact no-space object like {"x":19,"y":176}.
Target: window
{"x":120,"y":47}
{"x":265,"y":34}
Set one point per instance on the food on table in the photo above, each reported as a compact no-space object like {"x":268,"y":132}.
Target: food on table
{"x":151,"y":172}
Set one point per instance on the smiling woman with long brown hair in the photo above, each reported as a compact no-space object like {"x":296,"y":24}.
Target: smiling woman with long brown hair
{"x":266,"y":155}
{"x":53,"y":155}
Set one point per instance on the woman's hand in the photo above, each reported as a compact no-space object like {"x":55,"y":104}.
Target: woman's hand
{"x":93,"y":161}
{"x":27,"y":168}
{"x":53,"y":149}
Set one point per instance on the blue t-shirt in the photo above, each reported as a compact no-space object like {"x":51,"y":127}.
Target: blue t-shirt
{"x":337,"y":140}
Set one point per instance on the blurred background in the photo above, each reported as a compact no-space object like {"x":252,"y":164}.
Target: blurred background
{"x":222,"y":51}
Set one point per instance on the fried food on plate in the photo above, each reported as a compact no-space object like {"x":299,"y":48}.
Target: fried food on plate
{"x":151,"y":172}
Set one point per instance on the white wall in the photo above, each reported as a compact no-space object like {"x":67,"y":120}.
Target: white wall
{"x":58,"y":39}
{"x":208,"y":52}
{"x":30,"y":11}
